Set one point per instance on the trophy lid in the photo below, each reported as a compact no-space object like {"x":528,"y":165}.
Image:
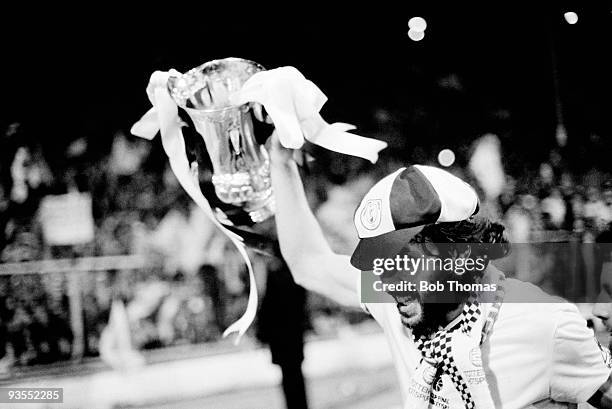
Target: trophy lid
{"x":208,"y":86}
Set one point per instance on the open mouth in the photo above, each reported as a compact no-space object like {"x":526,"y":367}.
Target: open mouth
{"x":404,"y":299}
{"x":410,"y":314}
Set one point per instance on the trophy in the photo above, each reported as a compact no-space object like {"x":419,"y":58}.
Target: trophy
{"x":241,"y":167}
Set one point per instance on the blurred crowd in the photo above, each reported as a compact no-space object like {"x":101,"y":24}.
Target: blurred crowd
{"x":195,"y":285}
{"x":188,"y":292}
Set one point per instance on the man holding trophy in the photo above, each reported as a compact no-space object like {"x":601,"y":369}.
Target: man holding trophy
{"x":470,"y":352}
{"x":532,"y":354}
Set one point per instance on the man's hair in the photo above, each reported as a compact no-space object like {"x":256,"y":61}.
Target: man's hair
{"x":483,"y":237}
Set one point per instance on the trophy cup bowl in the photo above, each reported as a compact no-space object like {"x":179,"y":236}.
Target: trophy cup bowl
{"x":241,"y":166}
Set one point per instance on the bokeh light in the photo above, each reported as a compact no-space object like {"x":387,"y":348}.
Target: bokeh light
{"x":571,"y":17}
{"x":446,"y":157}
{"x":416,"y":35}
{"x":417,"y":24}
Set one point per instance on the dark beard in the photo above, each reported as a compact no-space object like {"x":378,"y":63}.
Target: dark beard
{"x":435,"y":313}
{"x":434,"y":317}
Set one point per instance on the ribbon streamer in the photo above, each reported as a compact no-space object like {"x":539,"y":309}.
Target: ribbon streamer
{"x":163,"y":117}
{"x":292,"y":102}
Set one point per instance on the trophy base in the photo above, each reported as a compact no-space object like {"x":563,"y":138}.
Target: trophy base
{"x":261,"y":211}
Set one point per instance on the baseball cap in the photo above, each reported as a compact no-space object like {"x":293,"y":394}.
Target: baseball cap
{"x":396,"y":208}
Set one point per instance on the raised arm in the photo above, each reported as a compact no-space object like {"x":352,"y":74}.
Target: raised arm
{"x":312,"y":262}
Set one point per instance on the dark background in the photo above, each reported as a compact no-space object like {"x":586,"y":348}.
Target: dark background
{"x":79,"y":74}
{"x":84,"y":74}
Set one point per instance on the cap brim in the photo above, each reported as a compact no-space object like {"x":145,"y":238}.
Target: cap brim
{"x":386,"y":245}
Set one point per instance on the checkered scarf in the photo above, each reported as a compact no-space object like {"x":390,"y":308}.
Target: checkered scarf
{"x":439,"y":347}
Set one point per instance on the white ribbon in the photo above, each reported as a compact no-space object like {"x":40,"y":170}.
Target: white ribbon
{"x":292,"y":102}
{"x":163,"y":117}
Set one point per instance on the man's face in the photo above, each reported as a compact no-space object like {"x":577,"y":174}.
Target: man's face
{"x":603,"y":307}
{"x":412,"y":304}
{"x":424,"y":310}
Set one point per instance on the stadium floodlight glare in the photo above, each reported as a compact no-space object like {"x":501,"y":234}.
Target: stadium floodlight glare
{"x":416,"y":35}
{"x":417,"y":24}
{"x":446,"y":157}
{"x":570,"y":17}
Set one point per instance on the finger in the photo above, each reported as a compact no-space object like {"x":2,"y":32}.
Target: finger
{"x":267,"y":117}
{"x":272,"y":142}
{"x":257,"y":112}
{"x":274,"y":137}
{"x":298,"y":157}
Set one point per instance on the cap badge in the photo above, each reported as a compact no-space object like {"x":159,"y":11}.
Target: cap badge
{"x":370,"y":215}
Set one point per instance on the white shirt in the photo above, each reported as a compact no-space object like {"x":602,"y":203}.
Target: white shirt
{"x":534,"y":353}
